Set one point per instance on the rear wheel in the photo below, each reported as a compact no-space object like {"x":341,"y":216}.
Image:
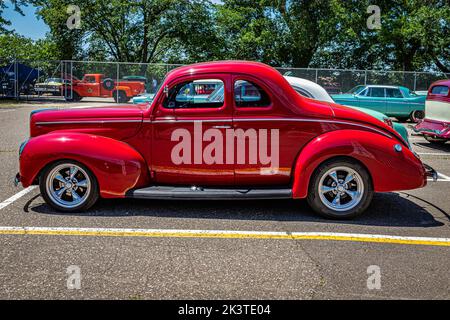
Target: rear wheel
{"x":340,"y":189}
{"x":69,"y":186}
{"x":120,"y":97}
{"x":417,"y":115}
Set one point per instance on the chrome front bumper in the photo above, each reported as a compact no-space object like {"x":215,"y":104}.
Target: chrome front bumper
{"x":430,"y":172}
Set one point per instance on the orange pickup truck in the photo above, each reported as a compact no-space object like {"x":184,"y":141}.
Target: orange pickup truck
{"x":97,"y":85}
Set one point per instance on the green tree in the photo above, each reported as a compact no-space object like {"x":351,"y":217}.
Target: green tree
{"x":135,"y":31}
{"x":13,"y":46}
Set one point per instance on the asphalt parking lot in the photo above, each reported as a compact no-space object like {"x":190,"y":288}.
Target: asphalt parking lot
{"x":161,"y":265}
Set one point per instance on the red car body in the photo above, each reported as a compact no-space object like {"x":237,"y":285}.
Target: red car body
{"x":436,"y":125}
{"x":128,"y":147}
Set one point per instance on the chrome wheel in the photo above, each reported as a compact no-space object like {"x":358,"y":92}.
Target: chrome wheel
{"x":341,"y":189}
{"x":68,"y":185}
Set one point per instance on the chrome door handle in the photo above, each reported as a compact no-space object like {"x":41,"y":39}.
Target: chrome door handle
{"x":223,"y":127}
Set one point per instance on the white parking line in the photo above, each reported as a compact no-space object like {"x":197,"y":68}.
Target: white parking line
{"x":18,"y":195}
{"x":223,"y":234}
{"x":433,"y":154}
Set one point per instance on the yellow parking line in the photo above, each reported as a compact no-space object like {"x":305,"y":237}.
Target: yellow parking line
{"x":223,"y":234}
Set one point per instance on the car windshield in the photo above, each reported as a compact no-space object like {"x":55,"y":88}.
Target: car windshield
{"x":357,"y":90}
{"x":54,"y":80}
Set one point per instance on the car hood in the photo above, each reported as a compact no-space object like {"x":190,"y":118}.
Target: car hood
{"x":120,"y":122}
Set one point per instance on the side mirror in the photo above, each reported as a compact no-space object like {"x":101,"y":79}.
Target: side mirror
{"x":166,"y":91}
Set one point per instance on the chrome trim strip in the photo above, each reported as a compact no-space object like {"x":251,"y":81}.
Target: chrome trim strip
{"x":43,"y":123}
{"x":190,"y":121}
{"x":277,"y":119}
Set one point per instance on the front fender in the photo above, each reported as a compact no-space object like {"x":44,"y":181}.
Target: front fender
{"x":390,"y":170}
{"x":116,"y":165}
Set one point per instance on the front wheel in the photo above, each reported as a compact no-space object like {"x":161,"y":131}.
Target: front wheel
{"x":340,"y":189}
{"x":69,"y":186}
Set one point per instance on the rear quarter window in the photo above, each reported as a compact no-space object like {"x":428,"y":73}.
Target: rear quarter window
{"x":440,"y":90}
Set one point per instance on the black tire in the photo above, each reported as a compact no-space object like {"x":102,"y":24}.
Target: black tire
{"x":435,"y":141}
{"x":120,"y":97}
{"x":317,"y":203}
{"x":72,"y":96}
{"x":403,"y":119}
{"x":417,"y":115}
{"x":108,"y":84}
{"x":91,"y":198}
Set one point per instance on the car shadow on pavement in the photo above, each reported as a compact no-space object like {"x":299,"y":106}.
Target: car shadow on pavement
{"x":436,"y":147}
{"x":387,"y":209}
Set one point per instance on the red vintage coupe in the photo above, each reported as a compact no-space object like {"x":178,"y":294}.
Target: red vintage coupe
{"x":254,"y":137}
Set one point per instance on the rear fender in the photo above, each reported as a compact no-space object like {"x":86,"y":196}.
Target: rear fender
{"x":389,"y":170}
{"x":125,"y":89}
{"x":116,"y":165}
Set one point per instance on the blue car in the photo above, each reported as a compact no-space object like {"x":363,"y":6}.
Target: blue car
{"x":393,"y":101}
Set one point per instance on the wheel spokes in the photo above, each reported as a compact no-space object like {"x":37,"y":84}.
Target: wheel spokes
{"x":334,"y":176}
{"x":352,"y":194}
{"x":60,"y":178}
{"x":61,"y":191}
{"x":75,"y":196}
{"x":82,"y":184}
{"x":337,"y":200}
{"x":73,"y":172}
{"x":349,"y":178}
{"x":325,"y":189}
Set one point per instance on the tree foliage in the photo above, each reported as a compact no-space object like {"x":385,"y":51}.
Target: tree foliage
{"x":414,"y":34}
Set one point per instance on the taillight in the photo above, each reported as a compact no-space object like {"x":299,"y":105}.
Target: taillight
{"x":388,"y":121}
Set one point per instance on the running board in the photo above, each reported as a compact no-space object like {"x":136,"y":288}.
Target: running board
{"x":197,"y":193}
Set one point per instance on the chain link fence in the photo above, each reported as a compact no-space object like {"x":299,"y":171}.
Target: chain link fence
{"x":53,"y":80}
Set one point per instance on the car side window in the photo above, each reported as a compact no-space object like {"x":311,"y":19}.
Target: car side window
{"x":376,"y":92}
{"x":393,"y":93}
{"x":90,"y":79}
{"x":192,"y":94}
{"x":440,"y":90}
{"x":249,"y":94}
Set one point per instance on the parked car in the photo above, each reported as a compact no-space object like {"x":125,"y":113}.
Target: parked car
{"x":393,"y":101}
{"x":97,"y":85}
{"x":312,"y":90}
{"x":51,"y":86}
{"x":16,"y":79}
{"x":142,"y":79}
{"x":436,"y":125}
{"x":275,"y":145}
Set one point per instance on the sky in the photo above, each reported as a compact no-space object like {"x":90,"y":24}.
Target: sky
{"x":28,"y":25}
